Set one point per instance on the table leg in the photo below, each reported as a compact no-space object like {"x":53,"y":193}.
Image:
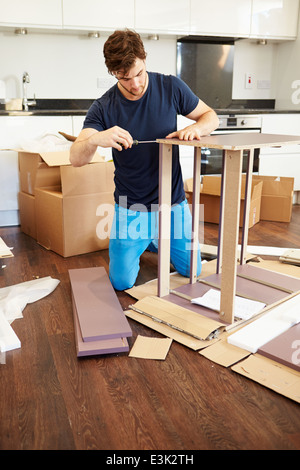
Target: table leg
{"x":221,"y":216}
{"x":232,"y":192}
{"x":195,"y":214}
{"x":248,"y":185}
{"x":165,"y":189}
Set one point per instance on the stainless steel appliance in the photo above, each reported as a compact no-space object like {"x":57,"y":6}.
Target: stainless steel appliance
{"x":206,"y":66}
{"x":211,"y":159}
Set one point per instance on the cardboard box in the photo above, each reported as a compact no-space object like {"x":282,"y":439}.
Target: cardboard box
{"x":27,"y":214}
{"x":277,"y":198}
{"x":70,"y":208}
{"x":40,"y":170}
{"x":70,"y":225}
{"x":210,"y":196}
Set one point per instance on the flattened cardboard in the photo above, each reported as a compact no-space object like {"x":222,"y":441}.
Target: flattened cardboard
{"x":150,"y":348}
{"x":271,"y":374}
{"x":186,"y":321}
{"x":91,"y":348}
{"x":99,"y":311}
{"x":223,"y":353}
{"x":285,"y":348}
{"x":166,"y":330}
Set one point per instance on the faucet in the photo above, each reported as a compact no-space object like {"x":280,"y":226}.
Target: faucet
{"x":26,"y":102}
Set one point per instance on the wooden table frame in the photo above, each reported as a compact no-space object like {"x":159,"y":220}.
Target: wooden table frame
{"x":233,"y":147}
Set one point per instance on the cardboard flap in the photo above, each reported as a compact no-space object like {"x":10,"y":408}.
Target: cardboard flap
{"x":63,"y":158}
{"x":180,"y":318}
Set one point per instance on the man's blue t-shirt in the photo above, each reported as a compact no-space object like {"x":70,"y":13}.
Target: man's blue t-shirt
{"x":151,"y":117}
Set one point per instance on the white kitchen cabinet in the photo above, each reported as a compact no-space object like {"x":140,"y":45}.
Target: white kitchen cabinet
{"x":219,"y":18}
{"x":162,"y":16}
{"x":45,"y":13}
{"x":14,"y":130}
{"x":98,"y":14}
{"x":285,"y":160}
{"x":274,"y":19}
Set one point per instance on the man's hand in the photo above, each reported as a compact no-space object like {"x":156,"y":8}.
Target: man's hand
{"x":188,"y":133}
{"x":85,"y":146}
{"x":114,"y":137}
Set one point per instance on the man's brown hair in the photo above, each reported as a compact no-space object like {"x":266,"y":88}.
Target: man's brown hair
{"x":122,"y":49}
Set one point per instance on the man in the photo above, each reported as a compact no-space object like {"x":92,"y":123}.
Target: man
{"x":142,"y":106}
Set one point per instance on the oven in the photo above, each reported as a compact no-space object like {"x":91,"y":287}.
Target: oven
{"x":211,"y":159}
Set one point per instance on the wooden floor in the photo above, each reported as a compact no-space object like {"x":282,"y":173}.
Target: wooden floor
{"x":49,"y":399}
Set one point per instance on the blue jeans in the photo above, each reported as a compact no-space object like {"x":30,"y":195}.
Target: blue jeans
{"x":134,"y":231}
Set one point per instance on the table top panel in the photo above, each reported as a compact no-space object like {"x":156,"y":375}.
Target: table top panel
{"x":240,"y":141}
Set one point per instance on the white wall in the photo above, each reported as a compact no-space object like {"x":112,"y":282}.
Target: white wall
{"x":67,"y":66}
{"x":259,"y":61}
{"x":70,"y":65}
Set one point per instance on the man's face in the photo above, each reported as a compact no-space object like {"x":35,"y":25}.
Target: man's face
{"x":135,"y":80}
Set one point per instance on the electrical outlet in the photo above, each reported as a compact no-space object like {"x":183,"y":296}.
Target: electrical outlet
{"x":248,"y":81}
{"x":264,"y":84}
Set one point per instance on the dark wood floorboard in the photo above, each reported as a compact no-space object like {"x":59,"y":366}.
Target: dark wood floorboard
{"x":50,"y":399}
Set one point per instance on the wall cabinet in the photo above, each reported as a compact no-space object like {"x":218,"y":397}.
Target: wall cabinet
{"x":46,"y":13}
{"x":98,"y":14}
{"x":168,"y":16}
{"x":285,"y":160}
{"x":13,"y":131}
{"x":247,"y":18}
{"x":274,"y":19}
{"x":219,"y":18}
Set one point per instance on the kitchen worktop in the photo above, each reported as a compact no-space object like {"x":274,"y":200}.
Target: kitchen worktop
{"x":66,"y":107}
{"x":52,"y":107}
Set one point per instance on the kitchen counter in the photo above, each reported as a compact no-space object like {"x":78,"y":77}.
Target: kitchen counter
{"x":229,"y":111}
{"x":79,"y":107}
{"x":52,"y":107}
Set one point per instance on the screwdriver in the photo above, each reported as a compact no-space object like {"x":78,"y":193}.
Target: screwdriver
{"x":136,"y":142}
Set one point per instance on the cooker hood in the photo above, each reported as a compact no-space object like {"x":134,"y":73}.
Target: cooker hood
{"x":206,"y":65}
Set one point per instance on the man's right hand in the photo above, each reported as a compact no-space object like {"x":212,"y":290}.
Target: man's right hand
{"x":115,"y":137}
{"x":85,"y":146}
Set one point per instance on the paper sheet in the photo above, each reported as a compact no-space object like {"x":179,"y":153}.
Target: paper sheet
{"x":13,"y":300}
{"x":5,"y":252}
{"x":150,"y":348}
{"x":243,"y":308}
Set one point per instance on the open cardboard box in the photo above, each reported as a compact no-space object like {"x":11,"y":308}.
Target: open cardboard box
{"x":210,"y":197}
{"x":276,"y":198}
{"x":67,"y":210}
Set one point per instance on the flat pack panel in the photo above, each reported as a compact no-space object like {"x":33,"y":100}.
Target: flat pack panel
{"x":99,"y":311}
{"x":90,"y":348}
{"x":260,"y":284}
{"x":272,"y":324}
{"x":240,"y":141}
{"x":285,"y":348}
